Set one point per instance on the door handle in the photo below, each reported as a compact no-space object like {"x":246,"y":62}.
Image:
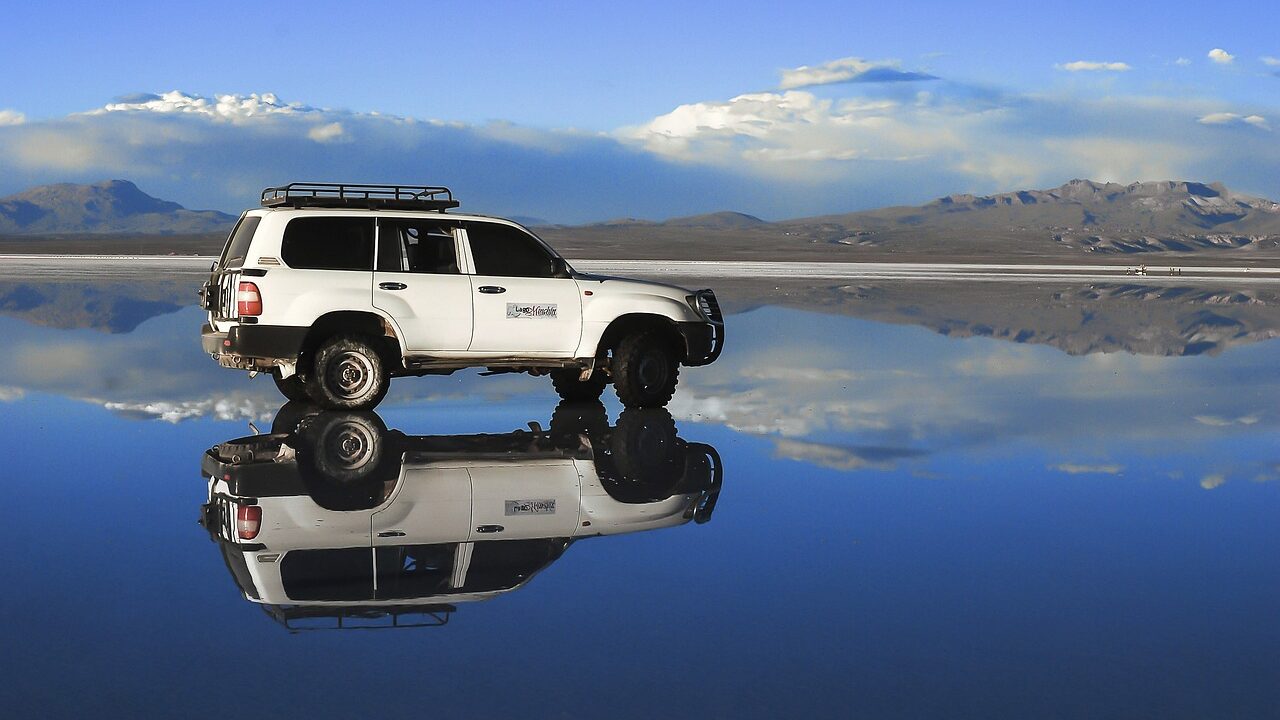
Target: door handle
{"x":492,"y":289}
{"x":489,"y":528}
{"x":391,"y":533}
{"x":392,"y":286}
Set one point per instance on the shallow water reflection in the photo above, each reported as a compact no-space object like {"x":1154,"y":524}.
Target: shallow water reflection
{"x":332,"y":517}
{"x":943,"y":501}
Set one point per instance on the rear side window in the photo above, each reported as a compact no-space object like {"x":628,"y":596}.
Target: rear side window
{"x":507,"y":251}
{"x":328,"y":243}
{"x":416,"y":246}
{"x":238,"y":243}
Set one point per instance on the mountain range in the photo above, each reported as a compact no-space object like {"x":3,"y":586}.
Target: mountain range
{"x":112,"y":206}
{"x":1077,"y":219}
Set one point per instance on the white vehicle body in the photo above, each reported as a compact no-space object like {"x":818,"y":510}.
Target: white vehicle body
{"x":435,"y":292}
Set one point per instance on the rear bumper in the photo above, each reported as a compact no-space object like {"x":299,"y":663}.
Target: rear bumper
{"x":249,"y":347}
{"x":703,"y":342}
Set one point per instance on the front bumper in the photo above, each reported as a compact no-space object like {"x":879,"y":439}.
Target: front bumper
{"x":703,"y":342}
{"x":253,"y":347}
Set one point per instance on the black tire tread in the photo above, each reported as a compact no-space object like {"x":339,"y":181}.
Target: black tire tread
{"x":625,"y":359}
{"x":339,"y":343}
{"x":570,"y":388}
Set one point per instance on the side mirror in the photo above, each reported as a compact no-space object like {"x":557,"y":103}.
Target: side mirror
{"x":559,"y":268}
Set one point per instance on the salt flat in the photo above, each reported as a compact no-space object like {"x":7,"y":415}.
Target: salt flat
{"x":84,"y":267}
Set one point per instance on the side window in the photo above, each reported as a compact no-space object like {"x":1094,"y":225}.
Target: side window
{"x":238,"y":243}
{"x":416,"y":246}
{"x":328,"y":243}
{"x":506,"y":251}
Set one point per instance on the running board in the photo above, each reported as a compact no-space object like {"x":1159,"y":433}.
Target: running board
{"x":426,"y":362}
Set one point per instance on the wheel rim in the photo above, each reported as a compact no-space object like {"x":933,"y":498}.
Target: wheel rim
{"x":351,"y":375}
{"x":653,"y":370}
{"x":350,"y":446}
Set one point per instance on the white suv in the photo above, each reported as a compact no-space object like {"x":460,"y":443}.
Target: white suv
{"x":334,"y":289}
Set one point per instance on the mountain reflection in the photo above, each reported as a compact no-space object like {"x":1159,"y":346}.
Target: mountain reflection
{"x":332,"y":520}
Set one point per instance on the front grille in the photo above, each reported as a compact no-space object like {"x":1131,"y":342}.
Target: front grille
{"x":710,"y":306}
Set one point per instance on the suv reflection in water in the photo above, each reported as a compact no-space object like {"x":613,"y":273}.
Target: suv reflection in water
{"x":334,"y":521}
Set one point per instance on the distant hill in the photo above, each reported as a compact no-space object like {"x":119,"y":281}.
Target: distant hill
{"x":717,"y":220}
{"x":113,"y":206}
{"x":1092,"y":216}
{"x":1076,"y":220}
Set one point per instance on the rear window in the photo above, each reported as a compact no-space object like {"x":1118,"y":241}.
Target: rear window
{"x":238,"y":242}
{"x":506,"y":251}
{"x":328,"y":243}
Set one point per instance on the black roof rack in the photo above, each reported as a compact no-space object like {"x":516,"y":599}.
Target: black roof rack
{"x":348,"y":195}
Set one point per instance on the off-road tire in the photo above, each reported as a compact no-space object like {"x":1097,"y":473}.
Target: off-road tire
{"x":571,"y":419}
{"x":645,"y":370}
{"x":293,"y":387}
{"x":348,"y":374}
{"x":344,"y":447}
{"x":648,"y":456}
{"x":570,"y":388}
{"x":291,"y":415}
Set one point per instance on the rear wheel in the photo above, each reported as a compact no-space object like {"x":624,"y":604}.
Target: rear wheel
{"x":293,"y":387}
{"x":572,"y":389}
{"x":645,"y":370}
{"x":348,"y":374}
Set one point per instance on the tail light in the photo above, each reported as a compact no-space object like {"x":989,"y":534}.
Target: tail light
{"x":248,"y":521}
{"x":248,"y":300}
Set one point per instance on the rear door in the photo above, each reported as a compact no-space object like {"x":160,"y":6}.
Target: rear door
{"x":432,"y":504}
{"x":418,"y":283}
{"x":520,"y":308}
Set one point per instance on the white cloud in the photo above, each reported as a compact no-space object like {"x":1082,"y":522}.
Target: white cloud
{"x":1182,"y":62}
{"x":329,"y":132}
{"x":12,"y":117}
{"x":1215,"y":421}
{"x":839,"y":458}
{"x":223,"y":107}
{"x":1227,"y":118}
{"x":11,"y":394}
{"x":1093,"y":66}
{"x":224,"y":408}
{"x":848,"y":70}
{"x":1079,"y":469}
{"x":1270,"y":61}
{"x":1209,"y":482}
{"x":1222,"y":57}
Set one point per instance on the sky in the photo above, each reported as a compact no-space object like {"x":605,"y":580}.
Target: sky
{"x":574,"y":112}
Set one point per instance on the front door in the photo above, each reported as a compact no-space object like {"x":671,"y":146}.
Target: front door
{"x":417,"y":281}
{"x":532,"y":498}
{"x":520,"y":307}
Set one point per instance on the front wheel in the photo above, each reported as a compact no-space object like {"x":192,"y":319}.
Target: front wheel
{"x":645,"y":370}
{"x":348,"y":374}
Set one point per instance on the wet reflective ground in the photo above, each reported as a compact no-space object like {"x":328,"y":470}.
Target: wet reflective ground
{"x":885,"y":500}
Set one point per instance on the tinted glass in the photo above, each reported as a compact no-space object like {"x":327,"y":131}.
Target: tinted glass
{"x":328,"y":243}
{"x":342,"y":574}
{"x":415,"y":571}
{"x":506,"y":251}
{"x":238,"y":242}
{"x":415,"y":246}
{"x":504,"y":564}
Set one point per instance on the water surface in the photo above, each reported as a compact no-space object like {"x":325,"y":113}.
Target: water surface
{"x":937,"y":500}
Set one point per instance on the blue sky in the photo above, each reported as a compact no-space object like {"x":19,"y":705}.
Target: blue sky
{"x":652,"y":110}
